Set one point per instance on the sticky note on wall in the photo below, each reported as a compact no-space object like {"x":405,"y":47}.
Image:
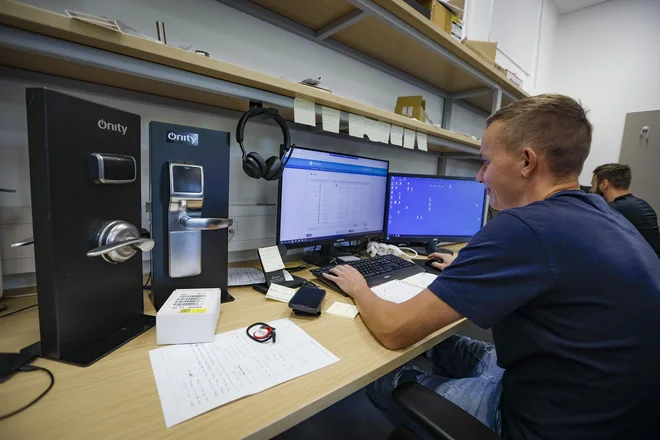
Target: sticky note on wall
{"x":304,"y":112}
{"x":408,"y":138}
{"x":396,"y":135}
{"x":356,"y":125}
{"x":330,"y":119}
{"x":421,"y":141}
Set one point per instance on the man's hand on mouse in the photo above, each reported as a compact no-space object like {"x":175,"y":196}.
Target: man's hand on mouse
{"x":348,"y":279}
{"x":446,"y":259}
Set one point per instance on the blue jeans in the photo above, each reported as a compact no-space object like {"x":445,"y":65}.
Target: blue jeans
{"x":464,"y":371}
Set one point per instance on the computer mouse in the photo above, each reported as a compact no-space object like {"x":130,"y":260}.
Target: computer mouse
{"x":433,"y":260}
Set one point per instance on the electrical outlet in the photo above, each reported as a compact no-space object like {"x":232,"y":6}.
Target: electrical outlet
{"x":235,"y":229}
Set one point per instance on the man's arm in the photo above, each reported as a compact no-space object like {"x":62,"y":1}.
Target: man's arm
{"x":395,"y":325}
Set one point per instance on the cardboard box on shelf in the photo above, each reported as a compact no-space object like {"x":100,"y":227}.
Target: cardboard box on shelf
{"x":443,"y":17}
{"x":485,"y":49}
{"x":411,"y":106}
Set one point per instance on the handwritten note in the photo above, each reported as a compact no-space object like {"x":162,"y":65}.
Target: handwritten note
{"x":330,"y":119}
{"x":271,"y":260}
{"x":408,"y":139}
{"x":371,"y":129}
{"x":280,"y":293}
{"x":348,"y":311}
{"x":244,"y":276}
{"x":399,"y":291}
{"x":304,"y":112}
{"x":384,"y":132}
{"x":356,"y":125}
{"x":396,"y":135}
{"x":195,"y":378}
{"x":421,"y":141}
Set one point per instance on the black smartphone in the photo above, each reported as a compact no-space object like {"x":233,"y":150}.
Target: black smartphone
{"x":307,"y":300}
{"x":10,"y":363}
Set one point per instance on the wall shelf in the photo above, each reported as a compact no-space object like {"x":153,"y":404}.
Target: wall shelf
{"x":42,"y":41}
{"x":392,"y":36}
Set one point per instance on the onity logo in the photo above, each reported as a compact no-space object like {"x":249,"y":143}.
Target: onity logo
{"x":112,"y":127}
{"x":183,"y":138}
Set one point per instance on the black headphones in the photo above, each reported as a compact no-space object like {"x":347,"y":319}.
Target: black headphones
{"x":254,"y":164}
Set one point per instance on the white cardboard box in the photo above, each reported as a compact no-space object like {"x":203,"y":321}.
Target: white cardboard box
{"x":188,"y":316}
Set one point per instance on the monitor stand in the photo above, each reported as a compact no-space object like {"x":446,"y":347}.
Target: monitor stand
{"x":326,"y":257}
{"x":430,"y":247}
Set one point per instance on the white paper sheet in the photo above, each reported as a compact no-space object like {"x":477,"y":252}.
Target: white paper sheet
{"x":371,"y":129}
{"x":396,"y":135}
{"x":356,"y":125}
{"x":421,"y":141}
{"x":408,"y":138}
{"x":280,"y":293}
{"x":399,"y":291}
{"x":271,"y":260}
{"x":330,"y":119}
{"x":245,"y":276}
{"x":195,"y":378}
{"x":384,"y":132}
{"x":304,"y":112}
{"x":348,"y":311}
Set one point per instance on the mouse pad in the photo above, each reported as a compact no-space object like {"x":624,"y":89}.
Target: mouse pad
{"x":421,"y":262}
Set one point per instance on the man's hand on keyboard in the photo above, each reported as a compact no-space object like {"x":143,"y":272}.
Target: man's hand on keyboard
{"x":348,"y":279}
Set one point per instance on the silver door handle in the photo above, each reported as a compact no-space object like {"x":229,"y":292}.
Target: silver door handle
{"x":143,"y":244}
{"x":205,"y":224}
{"x":23,"y":242}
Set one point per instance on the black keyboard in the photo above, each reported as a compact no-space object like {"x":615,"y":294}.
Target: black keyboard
{"x":376,"y":270}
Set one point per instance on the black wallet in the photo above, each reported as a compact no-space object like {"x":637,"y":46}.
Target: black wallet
{"x":307,"y":301}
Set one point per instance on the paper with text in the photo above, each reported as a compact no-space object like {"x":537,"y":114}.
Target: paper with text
{"x":195,"y":378}
{"x":245,"y":276}
{"x":304,"y":112}
{"x":408,"y":138}
{"x":280,"y":293}
{"x":271,"y":260}
{"x":384,"y":132}
{"x":348,"y":311}
{"x":396,"y":135}
{"x":421,"y":141}
{"x":356,"y":125}
{"x":330,"y":119}
{"x":371,"y":129}
{"x":399,"y":291}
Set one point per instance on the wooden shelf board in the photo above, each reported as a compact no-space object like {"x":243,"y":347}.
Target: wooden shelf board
{"x":313,"y":14}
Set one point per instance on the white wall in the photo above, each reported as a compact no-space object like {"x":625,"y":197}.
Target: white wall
{"x":523,"y":29}
{"x":608,"y":56}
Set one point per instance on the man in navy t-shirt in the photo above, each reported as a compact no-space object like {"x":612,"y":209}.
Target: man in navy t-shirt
{"x":570,"y":288}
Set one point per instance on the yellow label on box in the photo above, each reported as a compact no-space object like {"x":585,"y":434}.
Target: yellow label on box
{"x":192,"y":310}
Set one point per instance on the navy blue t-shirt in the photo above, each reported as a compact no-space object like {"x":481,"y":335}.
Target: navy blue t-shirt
{"x":572,"y":292}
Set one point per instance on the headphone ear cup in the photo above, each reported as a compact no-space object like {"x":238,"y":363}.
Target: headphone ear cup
{"x":273,"y":168}
{"x":254,"y":165}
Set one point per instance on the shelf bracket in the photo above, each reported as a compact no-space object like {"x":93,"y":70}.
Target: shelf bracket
{"x":497,"y":100}
{"x":446,"y":113}
{"x":340,"y":24}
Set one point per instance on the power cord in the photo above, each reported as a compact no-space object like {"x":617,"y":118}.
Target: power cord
{"x":28,"y":368}
{"x":146,"y":283}
{"x":18,"y":311}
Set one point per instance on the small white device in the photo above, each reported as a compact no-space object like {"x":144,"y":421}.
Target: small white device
{"x":375,"y":248}
{"x":188,"y":316}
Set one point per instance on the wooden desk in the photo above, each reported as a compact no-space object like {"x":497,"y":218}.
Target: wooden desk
{"x":117,"y":397}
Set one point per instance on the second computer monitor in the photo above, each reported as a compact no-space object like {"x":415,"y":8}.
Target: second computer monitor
{"x":431,"y":209}
{"x":327,"y":198}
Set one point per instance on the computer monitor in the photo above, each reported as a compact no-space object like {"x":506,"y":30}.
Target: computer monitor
{"x":327,"y":198}
{"x":431,"y":209}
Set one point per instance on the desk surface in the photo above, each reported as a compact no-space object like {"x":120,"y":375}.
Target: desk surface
{"x":117,"y":396}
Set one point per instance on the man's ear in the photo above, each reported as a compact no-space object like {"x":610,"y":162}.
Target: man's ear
{"x":604,"y":184}
{"x":530,"y":161}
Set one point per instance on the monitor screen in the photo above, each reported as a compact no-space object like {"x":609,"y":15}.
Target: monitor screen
{"x":325,"y":197}
{"x":427,"y":207}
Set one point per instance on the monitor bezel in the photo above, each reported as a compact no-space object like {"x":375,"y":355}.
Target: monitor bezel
{"x":331,"y":240}
{"x":429,"y":238}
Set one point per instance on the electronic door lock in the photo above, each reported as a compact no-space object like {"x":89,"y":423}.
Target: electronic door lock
{"x":119,"y":241}
{"x":184,"y":219}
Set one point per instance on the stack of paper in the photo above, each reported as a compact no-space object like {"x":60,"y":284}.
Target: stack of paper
{"x":193,"y":379}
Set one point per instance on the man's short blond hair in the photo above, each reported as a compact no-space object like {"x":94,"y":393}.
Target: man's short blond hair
{"x":554,"y":126}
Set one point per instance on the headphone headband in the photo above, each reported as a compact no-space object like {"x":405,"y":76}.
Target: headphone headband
{"x":273,"y":114}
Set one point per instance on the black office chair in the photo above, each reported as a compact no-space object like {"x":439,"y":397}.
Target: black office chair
{"x":437,"y":416}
